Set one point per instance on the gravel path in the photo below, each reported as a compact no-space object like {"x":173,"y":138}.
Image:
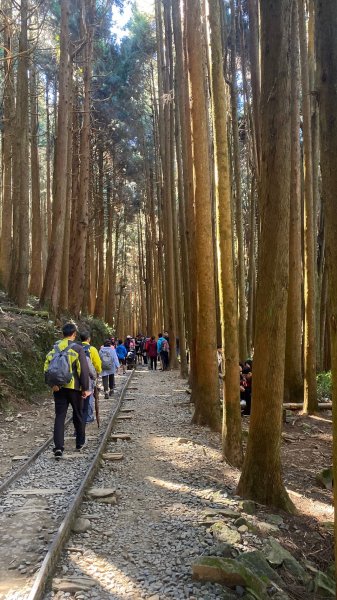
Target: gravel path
{"x":32,"y":509}
{"x":144,"y":546}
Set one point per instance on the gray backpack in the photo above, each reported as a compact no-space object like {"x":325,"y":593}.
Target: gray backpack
{"x":106,"y":358}
{"x":58,"y":372}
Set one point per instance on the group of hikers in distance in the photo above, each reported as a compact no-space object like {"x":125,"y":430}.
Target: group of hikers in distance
{"x":72,"y":368}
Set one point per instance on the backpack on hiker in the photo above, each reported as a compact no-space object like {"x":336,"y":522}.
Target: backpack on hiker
{"x":92,"y":370}
{"x":165,"y":346}
{"x":106,"y":358}
{"x":59,"y":370}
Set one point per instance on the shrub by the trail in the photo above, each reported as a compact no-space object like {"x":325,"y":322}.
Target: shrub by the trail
{"x":24,"y":342}
{"x":324,"y":386}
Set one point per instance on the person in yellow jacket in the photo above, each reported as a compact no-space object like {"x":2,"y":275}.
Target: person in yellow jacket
{"x":95,"y":368}
{"x":73,"y":392}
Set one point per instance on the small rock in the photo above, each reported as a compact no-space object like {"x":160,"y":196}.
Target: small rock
{"x":229,"y":572}
{"x":249,"y":507}
{"x":274,"y":519}
{"x":257,"y":562}
{"x":81,"y":525}
{"x":240,"y":521}
{"x":277,"y":555}
{"x":101,"y":492}
{"x":223,"y":533}
{"x":325,"y":478}
{"x":243,"y":529}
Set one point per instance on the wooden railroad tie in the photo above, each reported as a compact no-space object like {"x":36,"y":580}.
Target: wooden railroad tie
{"x":120,"y":436}
{"x":111,"y":456}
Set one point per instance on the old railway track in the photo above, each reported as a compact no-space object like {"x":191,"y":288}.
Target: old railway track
{"x":39,"y":502}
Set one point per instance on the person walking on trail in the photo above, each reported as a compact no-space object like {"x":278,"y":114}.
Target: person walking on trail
{"x":67,"y":373}
{"x":95,"y":368}
{"x":152,"y":353}
{"x":163,"y":351}
{"x":110,"y":364}
{"x":121,"y":352}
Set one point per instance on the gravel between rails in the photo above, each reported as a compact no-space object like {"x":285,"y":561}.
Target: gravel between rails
{"x":144,"y":547}
{"x":32,"y":509}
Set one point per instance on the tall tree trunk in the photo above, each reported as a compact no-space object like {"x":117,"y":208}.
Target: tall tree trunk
{"x":182,"y":274}
{"x":64,"y":293}
{"x":21,"y":292}
{"x":310,"y":387}
{"x":168,"y":174}
{"x":231,"y":428}
{"x":190,"y":213}
{"x":109,"y":314}
{"x":261,"y":477}
{"x":252,"y":268}
{"x":207,"y":391}
{"x":293,"y":384}
{"x":36,"y":263}
{"x":76,"y":300}
{"x":326,"y":15}
{"x":99,"y":306}
{"x":238,"y":195}
{"x":254,"y":51}
{"x":183,"y":143}
{"x":51,"y":286}
{"x":48,"y":161}
{"x":7,"y":141}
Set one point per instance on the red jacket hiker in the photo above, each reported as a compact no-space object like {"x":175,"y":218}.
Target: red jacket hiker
{"x":152,"y":349}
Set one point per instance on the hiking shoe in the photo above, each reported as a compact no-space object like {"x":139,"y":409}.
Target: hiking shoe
{"x":79,"y":448}
{"x":111,"y":393}
{"x":106,"y":395}
{"x":58,"y":454}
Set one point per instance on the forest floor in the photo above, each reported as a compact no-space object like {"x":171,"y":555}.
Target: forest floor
{"x":171,"y":473}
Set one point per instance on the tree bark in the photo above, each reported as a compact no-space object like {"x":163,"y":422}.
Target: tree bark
{"x":261,"y":477}
{"x":310,"y":387}
{"x":238,"y":195}
{"x":99,"y":305}
{"x":76,"y":300}
{"x":36,"y":263}
{"x":293,"y":384}
{"x":207,"y":388}
{"x":7,"y":141}
{"x":231,"y":424}
{"x":51,"y":286}
{"x":326,"y":15}
{"x":22,"y":273}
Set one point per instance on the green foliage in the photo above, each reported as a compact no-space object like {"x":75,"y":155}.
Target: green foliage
{"x":324,"y":386}
{"x":24,"y":342}
{"x":22,"y":356}
{"x":98,"y":329}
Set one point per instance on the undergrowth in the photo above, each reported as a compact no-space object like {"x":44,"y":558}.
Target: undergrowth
{"x":24,"y":342}
{"x":324,"y":386}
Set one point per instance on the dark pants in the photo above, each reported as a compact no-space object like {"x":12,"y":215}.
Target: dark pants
{"x":63,"y":398}
{"x":248,"y":399}
{"x":85,"y":409}
{"x":153,"y":360}
{"x":108,"y":382}
{"x":164,"y":359}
